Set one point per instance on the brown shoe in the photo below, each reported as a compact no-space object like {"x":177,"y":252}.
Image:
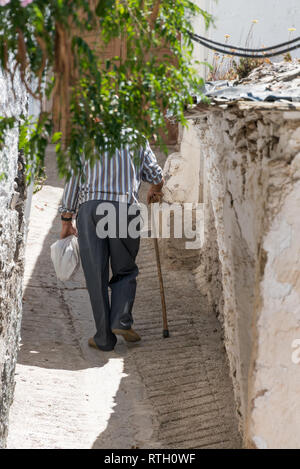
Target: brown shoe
{"x":92,"y":343}
{"x":129,"y":334}
{"x":106,"y":348}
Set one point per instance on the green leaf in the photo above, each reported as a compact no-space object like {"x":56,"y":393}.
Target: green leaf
{"x":103,"y":6}
{"x":56,"y":136}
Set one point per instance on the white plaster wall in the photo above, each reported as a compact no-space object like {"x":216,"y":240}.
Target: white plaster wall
{"x":253,"y":170}
{"x":200,"y":53}
{"x":11,"y":249}
{"x":183,"y":189}
{"x":249,"y":265}
{"x":235,"y":17}
{"x":237,"y":205}
{"x":182,"y":170}
{"x":33,"y":110}
{"x":275,"y":409}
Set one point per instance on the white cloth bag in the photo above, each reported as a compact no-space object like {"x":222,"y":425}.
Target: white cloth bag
{"x":65,"y":257}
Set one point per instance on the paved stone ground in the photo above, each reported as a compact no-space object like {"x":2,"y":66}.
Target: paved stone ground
{"x":171,"y":393}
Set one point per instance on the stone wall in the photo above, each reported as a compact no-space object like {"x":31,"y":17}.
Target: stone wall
{"x":12,"y":195}
{"x":181,"y":187}
{"x":249,"y":264}
{"x":253,"y":159}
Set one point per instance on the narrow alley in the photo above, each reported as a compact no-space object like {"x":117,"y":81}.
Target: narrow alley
{"x":162,"y":393}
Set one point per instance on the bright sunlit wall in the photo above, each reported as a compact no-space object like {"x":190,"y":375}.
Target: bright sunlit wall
{"x":235,"y":17}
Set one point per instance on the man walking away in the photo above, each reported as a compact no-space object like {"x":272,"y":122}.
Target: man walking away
{"x":111,"y":185}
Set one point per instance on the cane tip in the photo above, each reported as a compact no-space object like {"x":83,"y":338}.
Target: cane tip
{"x":166,"y":333}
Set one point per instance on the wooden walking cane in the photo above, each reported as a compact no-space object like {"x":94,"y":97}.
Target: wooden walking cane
{"x":161,"y":285}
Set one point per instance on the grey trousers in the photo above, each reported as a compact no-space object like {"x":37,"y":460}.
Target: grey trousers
{"x":95,"y":255}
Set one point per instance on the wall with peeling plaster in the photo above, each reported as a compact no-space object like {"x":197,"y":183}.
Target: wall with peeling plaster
{"x":249,"y":265}
{"x":12,"y":196}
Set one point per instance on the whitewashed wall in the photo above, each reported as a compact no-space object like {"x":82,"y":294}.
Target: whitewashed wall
{"x":12,"y":196}
{"x":235,"y":17}
{"x":33,"y":110}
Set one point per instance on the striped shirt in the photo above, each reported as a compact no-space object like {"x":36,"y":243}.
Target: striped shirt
{"x":116,"y":178}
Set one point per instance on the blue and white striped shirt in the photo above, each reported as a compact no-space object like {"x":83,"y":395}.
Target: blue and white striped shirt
{"x":116,"y":178}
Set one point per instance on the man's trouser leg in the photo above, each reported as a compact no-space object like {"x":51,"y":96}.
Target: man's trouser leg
{"x":113,"y":218}
{"x":123,"y":252}
{"x":94,"y":253}
{"x":123,"y":249}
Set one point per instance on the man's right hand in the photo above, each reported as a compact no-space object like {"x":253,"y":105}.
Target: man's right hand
{"x":155,"y":193}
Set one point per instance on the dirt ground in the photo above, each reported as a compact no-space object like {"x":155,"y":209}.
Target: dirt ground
{"x":170,"y":393}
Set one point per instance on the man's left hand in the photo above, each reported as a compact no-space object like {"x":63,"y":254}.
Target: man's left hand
{"x":67,"y":229}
